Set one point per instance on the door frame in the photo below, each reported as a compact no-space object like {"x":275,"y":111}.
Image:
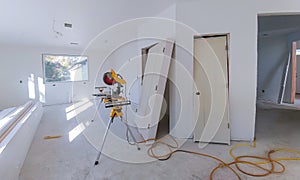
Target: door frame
{"x":227,"y":35}
{"x":227,"y":46}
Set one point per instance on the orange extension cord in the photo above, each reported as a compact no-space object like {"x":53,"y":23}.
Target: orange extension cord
{"x":237,"y":160}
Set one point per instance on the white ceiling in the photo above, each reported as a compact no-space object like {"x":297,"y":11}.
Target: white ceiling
{"x":30,"y":22}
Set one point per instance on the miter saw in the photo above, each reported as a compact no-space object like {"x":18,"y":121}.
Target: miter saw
{"x":114,"y":98}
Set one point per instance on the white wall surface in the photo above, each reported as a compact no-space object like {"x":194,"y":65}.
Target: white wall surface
{"x":273,"y":54}
{"x":277,"y":7}
{"x":209,"y":17}
{"x":120,"y":49}
{"x":36,"y":36}
{"x":17,"y":64}
{"x":239,"y":18}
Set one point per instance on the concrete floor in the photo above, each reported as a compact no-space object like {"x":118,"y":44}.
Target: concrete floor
{"x":59,"y":159}
{"x":271,"y":105}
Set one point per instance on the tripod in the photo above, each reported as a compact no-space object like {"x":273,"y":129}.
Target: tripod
{"x":115,"y":112}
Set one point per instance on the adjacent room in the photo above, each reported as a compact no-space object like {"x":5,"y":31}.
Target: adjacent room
{"x":171,"y":89}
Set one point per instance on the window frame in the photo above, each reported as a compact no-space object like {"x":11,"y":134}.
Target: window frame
{"x":72,"y":55}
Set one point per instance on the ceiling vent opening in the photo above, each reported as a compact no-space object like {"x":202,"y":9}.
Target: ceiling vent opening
{"x":68,"y":25}
{"x":74,"y":43}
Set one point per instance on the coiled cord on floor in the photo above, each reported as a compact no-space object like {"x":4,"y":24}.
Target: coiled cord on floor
{"x":237,"y":160}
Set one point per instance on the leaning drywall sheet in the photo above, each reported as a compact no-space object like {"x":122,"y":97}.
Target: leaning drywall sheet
{"x":153,"y":87}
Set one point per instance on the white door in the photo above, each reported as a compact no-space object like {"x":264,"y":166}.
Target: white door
{"x":211,"y":79}
{"x":153,"y":87}
{"x":298,"y":76}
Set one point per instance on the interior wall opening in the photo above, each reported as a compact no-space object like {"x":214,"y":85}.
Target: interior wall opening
{"x":277,"y":75}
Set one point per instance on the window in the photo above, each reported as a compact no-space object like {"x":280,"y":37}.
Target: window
{"x":65,"y":68}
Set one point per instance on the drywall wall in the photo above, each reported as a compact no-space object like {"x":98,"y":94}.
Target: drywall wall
{"x":273,"y":54}
{"x":209,"y":17}
{"x":17,"y":64}
{"x":240,"y":20}
{"x":120,"y":48}
{"x":15,"y":146}
{"x":271,"y":7}
{"x":36,"y":39}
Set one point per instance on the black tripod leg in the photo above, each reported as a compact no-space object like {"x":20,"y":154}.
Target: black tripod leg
{"x":104,"y":138}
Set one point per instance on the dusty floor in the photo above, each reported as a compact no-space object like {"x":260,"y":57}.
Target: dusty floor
{"x":59,"y":159}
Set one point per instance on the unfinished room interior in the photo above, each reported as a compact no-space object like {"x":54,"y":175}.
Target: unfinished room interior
{"x":161,"y":89}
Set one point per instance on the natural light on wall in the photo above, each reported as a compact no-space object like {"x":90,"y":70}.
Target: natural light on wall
{"x":41,"y":89}
{"x":31,"y":87}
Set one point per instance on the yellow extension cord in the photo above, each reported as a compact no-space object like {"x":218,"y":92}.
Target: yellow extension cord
{"x":276,"y":150}
{"x":237,"y":160}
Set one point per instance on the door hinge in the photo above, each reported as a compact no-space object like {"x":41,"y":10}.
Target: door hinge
{"x":228,"y":126}
{"x":226,"y":47}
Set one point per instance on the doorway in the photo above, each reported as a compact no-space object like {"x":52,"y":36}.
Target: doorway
{"x":277,"y":75}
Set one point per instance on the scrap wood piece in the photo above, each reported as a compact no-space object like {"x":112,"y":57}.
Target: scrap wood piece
{"x":52,"y":137}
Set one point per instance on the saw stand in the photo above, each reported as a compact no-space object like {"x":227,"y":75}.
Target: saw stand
{"x":115,"y":112}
